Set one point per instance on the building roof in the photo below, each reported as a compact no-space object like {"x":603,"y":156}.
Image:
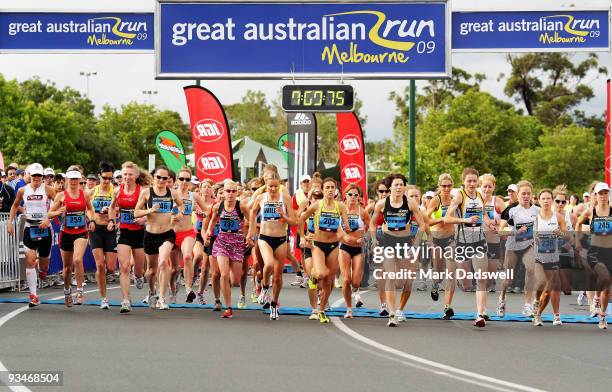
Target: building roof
{"x":251,"y":151}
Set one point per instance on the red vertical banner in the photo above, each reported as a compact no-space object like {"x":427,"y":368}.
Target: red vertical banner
{"x":608,"y":144}
{"x":210,"y":135}
{"x":351,"y":151}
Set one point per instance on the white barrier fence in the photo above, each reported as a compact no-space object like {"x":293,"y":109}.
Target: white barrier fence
{"x":10,"y":273}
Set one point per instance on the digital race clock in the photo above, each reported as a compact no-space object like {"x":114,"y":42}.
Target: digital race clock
{"x":317,"y":98}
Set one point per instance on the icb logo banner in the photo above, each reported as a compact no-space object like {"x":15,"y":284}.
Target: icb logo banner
{"x":531,"y":31}
{"x":307,"y":39}
{"x":55,"y":31}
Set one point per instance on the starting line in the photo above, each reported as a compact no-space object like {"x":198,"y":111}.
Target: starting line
{"x":339,"y":312}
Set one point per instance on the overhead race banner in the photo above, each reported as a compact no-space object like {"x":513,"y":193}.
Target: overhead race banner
{"x":171,"y":150}
{"x":210,"y":135}
{"x":272,"y":40}
{"x":302,"y":143}
{"x":531,"y":31}
{"x":351,"y":152}
{"x":68,"y":31}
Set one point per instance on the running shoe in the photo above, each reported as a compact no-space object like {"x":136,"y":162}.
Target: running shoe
{"x":399,"y":316}
{"x":391,"y":322}
{"x":595,"y":307}
{"x":104,"y":303}
{"x":603,"y":324}
{"x":434,"y":292}
{"x":537,"y":320}
{"x":298,"y":281}
{"x":348,"y":314}
{"x":242,"y":302}
{"x":480,"y":321}
{"x":501,"y":308}
{"x":80,"y":298}
{"x":527,"y":310}
{"x":260,"y":298}
{"x":582,"y":299}
{"x":273,"y":312}
{"x":492,"y":289}
{"x":145,"y":300}
{"x":152,"y":298}
{"x":140,"y":283}
{"x":267,"y":299}
{"x":125,"y":306}
{"x":161,"y":304}
{"x":200,"y":299}
{"x":515,"y":290}
{"x":383,"y":310}
{"x":228,"y":313}
{"x":253,"y":296}
{"x":34,"y":301}
{"x":323,"y":318}
{"x":485,"y":316}
{"x":218,"y":306}
{"x":68,"y":298}
{"x":314,"y":315}
{"x":358,"y":301}
{"x":422,"y":286}
{"x":190,"y":297}
{"x":304,"y":283}
{"x":557,"y":320}
{"x":448,"y":312}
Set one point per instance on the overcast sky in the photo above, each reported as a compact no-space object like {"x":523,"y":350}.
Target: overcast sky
{"x":122,"y":77}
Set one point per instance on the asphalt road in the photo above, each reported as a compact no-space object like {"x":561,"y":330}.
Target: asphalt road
{"x":189,"y":349}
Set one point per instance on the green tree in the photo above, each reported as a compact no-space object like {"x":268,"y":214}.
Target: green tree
{"x":134,"y":127}
{"x":253,"y":117}
{"x":568,"y":155}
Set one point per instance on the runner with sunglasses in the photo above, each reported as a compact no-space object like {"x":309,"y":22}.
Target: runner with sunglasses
{"x":351,"y":261}
{"x":494,"y":206}
{"x":131,"y":231}
{"x":329,"y":219}
{"x":210,"y":231}
{"x":159,"y":238}
{"x":255,"y":184}
{"x":443,"y":239}
{"x":276,"y":214}
{"x":229,"y":245}
{"x":37,"y":239}
{"x":382,"y":191}
{"x":103,"y":240}
{"x":185,"y":233}
{"x":566,"y":245}
{"x":78,"y":212}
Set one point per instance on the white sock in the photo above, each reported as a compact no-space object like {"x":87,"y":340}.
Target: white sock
{"x":32,"y":279}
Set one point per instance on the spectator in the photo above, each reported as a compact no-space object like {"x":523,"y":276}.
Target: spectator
{"x":92,"y":181}
{"x":7,"y":194}
{"x":19,"y":180}
{"x":10,"y":174}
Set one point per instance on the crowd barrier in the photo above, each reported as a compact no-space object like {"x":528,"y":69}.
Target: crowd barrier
{"x":10,"y":273}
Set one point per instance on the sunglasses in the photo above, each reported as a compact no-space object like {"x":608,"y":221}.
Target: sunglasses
{"x":560,"y":201}
{"x":82,"y":182}
{"x":446,"y":186}
{"x":37,"y":175}
{"x":162,"y":178}
{"x":118,"y":178}
{"x":383,"y":191}
{"x":352,"y":194}
{"x":230,"y":190}
{"x":184,"y":179}
{"x":107,"y":178}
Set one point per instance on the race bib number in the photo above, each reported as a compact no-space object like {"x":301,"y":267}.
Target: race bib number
{"x":269,"y":212}
{"x":547,"y":243}
{"x":396,"y":223}
{"x":188,"y":207}
{"x":75,"y":220}
{"x":524,"y":235}
{"x":127,"y":216}
{"x":216,"y":230}
{"x":165,"y":205}
{"x":311,"y":226}
{"x":199,"y":225}
{"x":329,"y":222}
{"x":229,"y":225}
{"x":36,"y":233}
{"x":477,"y":212}
{"x":602,"y":226}
{"x":414,"y":229}
{"x":353,"y":223}
{"x":490,"y":212}
{"x":101,"y":205}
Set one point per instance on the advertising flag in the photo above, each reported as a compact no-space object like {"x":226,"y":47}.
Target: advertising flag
{"x":351,"y":152}
{"x":171,"y":150}
{"x":302,"y":143}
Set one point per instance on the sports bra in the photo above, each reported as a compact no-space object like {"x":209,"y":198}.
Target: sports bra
{"x":601,"y":225}
{"x":355,"y":222}
{"x":327,"y":220}
{"x":165,"y":202}
{"x":74,"y":217}
{"x":102,"y":201}
{"x":397,"y":218}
